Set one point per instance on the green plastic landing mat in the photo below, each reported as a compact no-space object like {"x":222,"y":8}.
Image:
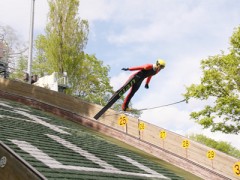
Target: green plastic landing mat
{"x":61,"y":149}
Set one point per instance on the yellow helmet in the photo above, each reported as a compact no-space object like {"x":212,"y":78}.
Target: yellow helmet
{"x":160,"y":62}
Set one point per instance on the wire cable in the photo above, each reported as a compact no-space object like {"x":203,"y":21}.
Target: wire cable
{"x":145,"y":109}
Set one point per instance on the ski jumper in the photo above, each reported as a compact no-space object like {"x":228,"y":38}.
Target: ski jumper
{"x":145,"y":71}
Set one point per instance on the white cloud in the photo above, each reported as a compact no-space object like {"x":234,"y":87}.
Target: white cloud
{"x":40,"y":16}
{"x":169,"y":118}
{"x":13,"y":13}
{"x":169,"y":21}
{"x":100,"y":10}
{"x":118,"y":81}
{"x":16,"y":14}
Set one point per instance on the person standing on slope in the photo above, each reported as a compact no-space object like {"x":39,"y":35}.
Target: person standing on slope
{"x":145,"y":71}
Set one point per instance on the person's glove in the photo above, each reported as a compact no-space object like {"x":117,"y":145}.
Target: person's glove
{"x":125,"y":69}
{"x":146,"y":86}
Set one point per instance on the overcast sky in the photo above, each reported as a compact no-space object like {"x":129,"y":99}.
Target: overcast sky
{"x":126,"y":33}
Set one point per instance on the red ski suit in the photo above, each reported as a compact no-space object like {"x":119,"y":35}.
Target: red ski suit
{"x":145,"y":71}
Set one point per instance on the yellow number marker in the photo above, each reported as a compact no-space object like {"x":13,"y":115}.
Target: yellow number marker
{"x":211,"y":154}
{"x":236,"y":168}
{"x":185,"y":143}
{"x":122,"y":120}
{"x":141,"y":126}
{"x":163,"y":134}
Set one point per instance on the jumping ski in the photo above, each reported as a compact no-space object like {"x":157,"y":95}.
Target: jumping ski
{"x":117,"y":95}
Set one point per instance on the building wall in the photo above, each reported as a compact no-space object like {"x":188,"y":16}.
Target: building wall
{"x":48,"y":82}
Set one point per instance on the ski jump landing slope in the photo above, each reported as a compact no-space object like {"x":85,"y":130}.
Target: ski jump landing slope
{"x":175,"y":149}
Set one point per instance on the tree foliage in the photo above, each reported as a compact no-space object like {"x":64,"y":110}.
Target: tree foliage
{"x":14,"y":51}
{"x":61,"y":50}
{"x":218,"y":145}
{"x":221,"y":82}
{"x":66,"y":36}
{"x":91,"y":81}
{"x":19,"y":72}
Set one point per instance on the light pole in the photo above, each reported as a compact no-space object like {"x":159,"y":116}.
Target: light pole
{"x":30,"y":42}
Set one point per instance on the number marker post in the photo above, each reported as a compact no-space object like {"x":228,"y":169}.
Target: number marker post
{"x":141,"y":127}
{"x":163,"y":135}
{"x":211,"y":155}
{"x":185,"y":145}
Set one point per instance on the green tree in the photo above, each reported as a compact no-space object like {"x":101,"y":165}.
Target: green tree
{"x":221,"y":82}
{"x":40,"y":65}
{"x":66,"y":36}
{"x":61,"y":50}
{"x":92,"y":82}
{"x":218,"y":145}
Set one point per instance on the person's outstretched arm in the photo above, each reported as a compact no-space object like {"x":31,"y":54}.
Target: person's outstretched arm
{"x":145,"y":67}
